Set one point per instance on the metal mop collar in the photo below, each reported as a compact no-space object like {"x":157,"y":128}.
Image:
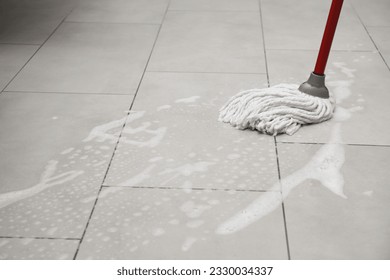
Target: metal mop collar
{"x":284,"y":108}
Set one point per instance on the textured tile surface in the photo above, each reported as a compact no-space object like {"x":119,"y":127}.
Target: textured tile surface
{"x":337,"y":202}
{"x":215,"y":5}
{"x":31,"y":22}
{"x":300,"y":25}
{"x":51,"y":166}
{"x":12,"y":59}
{"x":353,"y":79}
{"x":381,"y":37}
{"x":37,"y":249}
{"x":373,"y":13}
{"x":209,"y":42}
{"x":119,"y":11}
{"x":172,"y":224}
{"x":173,"y":138}
{"x":89,"y":58}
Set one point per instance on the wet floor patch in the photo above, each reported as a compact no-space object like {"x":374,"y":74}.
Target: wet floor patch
{"x":138,"y":223}
{"x":37,"y":249}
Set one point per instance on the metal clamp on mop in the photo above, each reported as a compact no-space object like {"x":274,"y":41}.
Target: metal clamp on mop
{"x":284,"y":108}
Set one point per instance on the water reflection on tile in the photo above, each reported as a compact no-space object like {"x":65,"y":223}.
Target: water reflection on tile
{"x":141,"y":223}
{"x":173,"y":138}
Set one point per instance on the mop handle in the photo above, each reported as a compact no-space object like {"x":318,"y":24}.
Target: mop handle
{"x":327,"y":38}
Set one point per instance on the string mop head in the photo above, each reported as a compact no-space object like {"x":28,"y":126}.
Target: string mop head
{"x":283,"y":108}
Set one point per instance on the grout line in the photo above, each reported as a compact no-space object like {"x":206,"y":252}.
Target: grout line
{"x":104,"y":22}
{"x":211,"y":11}
{"x":313,"y":50}
{"x":281,"y":192}
{"x":285,"y":230}
{"x":202,"y":72}
{"x":194,"y":188}
{"x":40,"y":46}
{"x":324,"y":143}
{"x":20,"y":44}
{"x":368,"y":145}
{"x":120,"y":134}
{"x":369,"y":35}
{"x":63,"y":92}
{"x":275,"y":142}
{"x":39,"y":237}
{"x":264,"y":47}
{"x":379,"y":26}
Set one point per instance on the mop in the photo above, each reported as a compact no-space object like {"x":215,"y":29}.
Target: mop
{"x":284,"y":108}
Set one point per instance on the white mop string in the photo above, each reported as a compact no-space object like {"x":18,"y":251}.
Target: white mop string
{"x":279,"y":109}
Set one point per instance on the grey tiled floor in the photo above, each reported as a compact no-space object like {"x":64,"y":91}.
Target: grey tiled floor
{"x":110,"y":146}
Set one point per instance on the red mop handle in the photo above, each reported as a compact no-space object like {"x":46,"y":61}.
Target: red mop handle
{"x":327,"y":38}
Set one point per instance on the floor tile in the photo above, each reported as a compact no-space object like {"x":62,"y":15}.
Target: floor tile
{"x":381,"y":37}
{"x":172,"y":224}
{"x":124,"y":11}
{"x":52,"y":162}
{"x":209,"y":42}
{"x":336,"y":201}
{"x":37,"y":249}
{"x":290,"y":25}
{"x":31,"y":22}
{"x":173,"y":138}
{"x":215,"y":5}
{"x":12,"y":59}
{"x":374,"y":12}
{"x":89,"y":58}
{"x":353,"y":79}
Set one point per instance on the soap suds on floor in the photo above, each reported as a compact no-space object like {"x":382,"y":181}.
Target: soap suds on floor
{"x":163,"y":107}
{"x":189,"y":169}
{"x":157,"y":135}
{"x":140,"y":177}
{"x":325,"y":166}
{"x":191,"y":99}
{"x":158,"y":232}
{"x":48,"y":180}
{"x":67,"y":151}
{"x":188,"y":243}
{"x":104,"y":193}
{"x":101,"y":133}
{"x":368,"y":193}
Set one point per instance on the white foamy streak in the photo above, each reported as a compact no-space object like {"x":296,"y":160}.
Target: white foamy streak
{"x":140,"y":177}
{"x":47,"y":180}
{"x":324,"y":167}
{"x":345,"y":70}
{"x":157,"y":135}
{"x":188,"y":243}
{"x":189,"y":169}
{"x":188,"y":100}
{"x":103,"y":132}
